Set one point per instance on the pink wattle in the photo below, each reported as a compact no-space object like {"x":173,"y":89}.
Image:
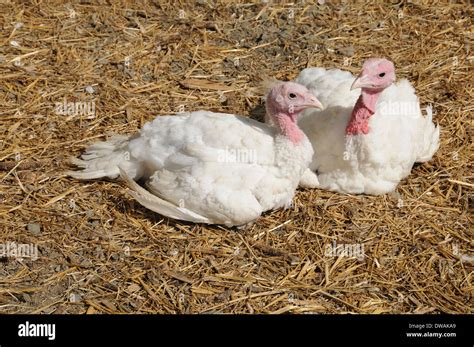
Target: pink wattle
{"x":362,"y":111}
{"x":289,"y":128}
{"x":359,"y":122}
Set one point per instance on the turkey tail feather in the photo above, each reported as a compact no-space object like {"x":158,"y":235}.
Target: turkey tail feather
{"x":102,"y":159}
{"x":430,"y":139}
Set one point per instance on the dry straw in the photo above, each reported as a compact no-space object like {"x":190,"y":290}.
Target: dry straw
{"x":100,"y":252}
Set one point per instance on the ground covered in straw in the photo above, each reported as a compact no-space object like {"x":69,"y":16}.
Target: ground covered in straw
{"x":100,"y":252}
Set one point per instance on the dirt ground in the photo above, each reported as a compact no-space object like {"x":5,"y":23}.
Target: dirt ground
{"x":73,"y":73}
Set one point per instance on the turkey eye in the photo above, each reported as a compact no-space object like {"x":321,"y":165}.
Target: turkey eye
{"x":382,"y":74}
{"x":292,"y":95}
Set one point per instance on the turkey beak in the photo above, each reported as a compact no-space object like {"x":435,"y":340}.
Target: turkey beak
{"x":360,"y":82}
{"x":314,"y":103}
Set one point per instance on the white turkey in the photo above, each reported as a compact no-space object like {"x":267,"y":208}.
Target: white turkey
{"x":365,"y":142}
{"x":212,"y":168}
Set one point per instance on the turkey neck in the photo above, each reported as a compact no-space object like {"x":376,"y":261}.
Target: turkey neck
{"x":362,"y":111}
{"x":286,"y":124}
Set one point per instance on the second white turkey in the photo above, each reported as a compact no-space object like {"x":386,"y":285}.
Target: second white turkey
{"x":365,"y":141}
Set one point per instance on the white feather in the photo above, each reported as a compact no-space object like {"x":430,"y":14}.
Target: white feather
{"x":204,"y":167}
{"x":373,"y":163}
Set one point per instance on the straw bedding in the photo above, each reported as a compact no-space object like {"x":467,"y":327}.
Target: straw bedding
{"x":74,"y":73}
